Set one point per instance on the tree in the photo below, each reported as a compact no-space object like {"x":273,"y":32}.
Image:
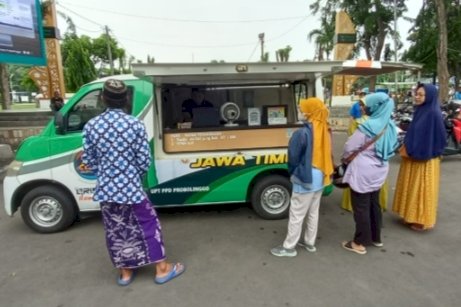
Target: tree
{"x":324,"y":37}
{"x":387,"y":52}
{"x":265,"y":57}
{"x":121,"y":55}
{"x":78,"y":68}
{"x":99,"y":51}
{"x":454,"y":39}
{"x":150,"y":60}
{"x":423,"y":36}
{"x":426,"y":40}
{"x":442,"y":68}
{"x":372,"y":18}
{"x":5,"y":87}
{"x":282,"y":55}
{"x":20,"y":79}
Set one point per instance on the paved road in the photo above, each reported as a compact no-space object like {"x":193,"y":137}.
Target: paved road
{"x":226,"y":250}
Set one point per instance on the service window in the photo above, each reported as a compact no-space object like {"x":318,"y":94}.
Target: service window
{"x":229,"y":117}
{"x":237,"y":106}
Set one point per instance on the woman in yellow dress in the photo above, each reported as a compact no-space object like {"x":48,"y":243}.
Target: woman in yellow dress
{"x":417,"y":187}
{"x":358,"y":116}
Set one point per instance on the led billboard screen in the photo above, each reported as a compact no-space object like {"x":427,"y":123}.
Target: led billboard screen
{"x":21,"y":32}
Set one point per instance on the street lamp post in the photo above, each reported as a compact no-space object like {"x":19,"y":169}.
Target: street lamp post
{"x":261,"y":40}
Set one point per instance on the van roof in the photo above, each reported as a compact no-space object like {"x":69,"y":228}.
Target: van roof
{"x":280,"y":72}
{"x":124,"y":77}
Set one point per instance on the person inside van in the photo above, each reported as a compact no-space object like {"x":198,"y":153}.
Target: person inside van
{"x":197,"y":100}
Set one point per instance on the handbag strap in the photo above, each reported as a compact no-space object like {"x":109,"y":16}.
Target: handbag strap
{"x":363,"y":147}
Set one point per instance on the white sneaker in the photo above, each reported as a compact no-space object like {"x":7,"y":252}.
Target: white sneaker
{"x":378,"y":244}
{"x":308,"y":247}
{"x":281,"y":251}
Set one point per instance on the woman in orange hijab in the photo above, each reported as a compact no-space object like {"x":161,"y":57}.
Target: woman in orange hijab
{"x":310,"y":166}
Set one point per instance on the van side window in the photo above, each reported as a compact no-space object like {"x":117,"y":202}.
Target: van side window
{"x":91,"y":105}
{"x":88,"y":107}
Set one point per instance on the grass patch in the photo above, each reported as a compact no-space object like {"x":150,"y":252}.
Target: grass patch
{"x":22,"y":106}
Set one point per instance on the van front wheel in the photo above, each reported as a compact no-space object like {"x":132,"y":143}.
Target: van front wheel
{"x":270,"y":197}
{"x":47,"y":209}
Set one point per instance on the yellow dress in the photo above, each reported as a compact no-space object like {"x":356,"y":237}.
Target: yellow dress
{"x":417,"y":190}
{"x":346,"y":202}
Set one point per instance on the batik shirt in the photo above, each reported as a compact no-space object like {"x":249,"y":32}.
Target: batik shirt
{"x":116,"y":148}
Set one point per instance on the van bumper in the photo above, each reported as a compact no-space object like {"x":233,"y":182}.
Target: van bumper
{"x":10,"y":185}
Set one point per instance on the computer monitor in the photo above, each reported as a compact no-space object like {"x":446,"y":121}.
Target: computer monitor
{"x":205,"y":117}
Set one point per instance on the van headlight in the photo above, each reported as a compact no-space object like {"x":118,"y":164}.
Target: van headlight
{"x":14,"y":168}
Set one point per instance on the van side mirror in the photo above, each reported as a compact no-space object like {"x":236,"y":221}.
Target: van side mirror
{"x":60,"y":122}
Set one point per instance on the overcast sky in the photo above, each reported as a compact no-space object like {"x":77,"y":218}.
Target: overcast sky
{"x":203,"y":30}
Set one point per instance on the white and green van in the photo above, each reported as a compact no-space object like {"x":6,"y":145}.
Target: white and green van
{"x":232,"y":153}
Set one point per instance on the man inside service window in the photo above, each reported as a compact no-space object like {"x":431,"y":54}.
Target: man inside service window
{"x":197,"y":100}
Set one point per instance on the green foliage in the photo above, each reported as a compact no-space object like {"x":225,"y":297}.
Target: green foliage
{"x":283,"y":54}
{"x":324,"y":36}
{"x":78,"y":68}
{"x":150,"y":60}
{"x":265,"y":57}
{"x":27,"y":84}
{"x":82,"y":54}
{"x":424,"y":38}
{"x":373,"y":20}
{"x":99,"y":49}
{"x":20,"y":80}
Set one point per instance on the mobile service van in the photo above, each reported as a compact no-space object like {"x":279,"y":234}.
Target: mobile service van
{"x":233,"y":151}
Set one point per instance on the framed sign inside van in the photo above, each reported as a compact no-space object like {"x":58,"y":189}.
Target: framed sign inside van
{"x":254,"y":117}
{"x":276,"y":115}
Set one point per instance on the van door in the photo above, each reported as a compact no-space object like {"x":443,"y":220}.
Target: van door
{"x":66,"y":149}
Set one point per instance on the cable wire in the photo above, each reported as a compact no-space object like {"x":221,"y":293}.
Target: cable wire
{"x":187,"y":20}
{"x":251,"y":55}
{"x":77,"y":14}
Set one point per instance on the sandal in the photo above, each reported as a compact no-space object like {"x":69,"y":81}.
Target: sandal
{"x":125,"y":282}
{"x":348,"y":246}
{"x":175,"y":271}
{"x":419,"y":227}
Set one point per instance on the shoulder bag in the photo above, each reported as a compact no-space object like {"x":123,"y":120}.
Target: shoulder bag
{"x":340,"y":169}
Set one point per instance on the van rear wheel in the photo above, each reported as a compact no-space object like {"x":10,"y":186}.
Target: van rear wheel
{"x":270,"y":197}
{"x":46,"y":209}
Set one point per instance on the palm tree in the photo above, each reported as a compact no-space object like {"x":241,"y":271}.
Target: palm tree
{"x":324,"y":37}
{"x":283,"y":54}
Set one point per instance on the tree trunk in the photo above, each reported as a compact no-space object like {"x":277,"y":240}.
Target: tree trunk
{"x":442,"y":66}
{"x":380,"y":40}
{"x":5,"y":87}
{"x":378,"y":50}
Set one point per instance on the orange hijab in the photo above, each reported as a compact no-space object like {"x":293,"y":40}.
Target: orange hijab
{"x":317,"y":114}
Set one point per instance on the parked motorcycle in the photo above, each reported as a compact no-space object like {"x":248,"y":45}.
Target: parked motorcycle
{"x":402,"y":117}
{"x":452,"y":120}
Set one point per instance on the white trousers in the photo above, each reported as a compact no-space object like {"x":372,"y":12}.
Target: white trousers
{"x":302,"y":205}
